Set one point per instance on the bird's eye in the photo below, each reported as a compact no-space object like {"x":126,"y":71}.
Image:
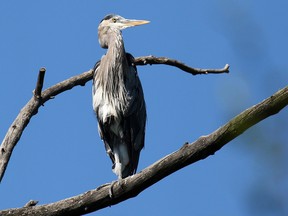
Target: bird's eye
{"x":114,"y":20}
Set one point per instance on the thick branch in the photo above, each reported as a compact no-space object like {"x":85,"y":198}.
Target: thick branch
{"x":31,"y":108}
{"x":189,"y":153}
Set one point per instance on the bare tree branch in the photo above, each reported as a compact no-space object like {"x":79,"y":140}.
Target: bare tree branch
{"x":172,"y":62}
{"x":31,"y":108}
{"x":189,"y":153}
{"x":40,"y":82}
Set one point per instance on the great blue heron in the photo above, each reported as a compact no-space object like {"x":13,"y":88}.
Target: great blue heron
{"x":118,"y":99}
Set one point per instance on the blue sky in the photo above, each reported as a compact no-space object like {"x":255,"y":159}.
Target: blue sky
{"x":60,"y":153}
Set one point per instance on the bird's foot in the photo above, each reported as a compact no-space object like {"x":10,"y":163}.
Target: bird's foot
{"x":120,"y":181}
{"x":111,"y":195}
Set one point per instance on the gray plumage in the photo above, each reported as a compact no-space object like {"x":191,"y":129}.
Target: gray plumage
{"x":118,"y":99}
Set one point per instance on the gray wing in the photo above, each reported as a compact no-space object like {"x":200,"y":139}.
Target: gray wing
{"x":135,"y":118}
{"x":94,"y":74}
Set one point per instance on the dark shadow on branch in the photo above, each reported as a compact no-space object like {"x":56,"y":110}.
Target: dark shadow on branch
{"x":189,"y":153}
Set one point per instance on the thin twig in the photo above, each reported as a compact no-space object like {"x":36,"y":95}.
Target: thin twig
{"x":31,"y":203}
{"x":39,"y":84}
{"x":145,"y":60}
{"x":205,"y":146}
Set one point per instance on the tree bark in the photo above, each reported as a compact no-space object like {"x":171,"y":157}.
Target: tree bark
{"x":189,"y":153}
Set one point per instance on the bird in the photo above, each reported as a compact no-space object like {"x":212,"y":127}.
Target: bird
{"x":118,"y":98}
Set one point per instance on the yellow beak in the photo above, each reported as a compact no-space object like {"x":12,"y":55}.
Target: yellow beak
{"x":132,"y":22}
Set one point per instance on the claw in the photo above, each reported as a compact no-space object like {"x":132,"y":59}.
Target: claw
{"x":111,"y":195}
{"x":120,"y":182}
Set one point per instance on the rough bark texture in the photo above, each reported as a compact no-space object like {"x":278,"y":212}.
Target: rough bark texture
{"x":189,"y":153}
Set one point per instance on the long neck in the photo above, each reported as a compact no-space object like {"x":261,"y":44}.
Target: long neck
{"x":116,"y":52}
{"x":114,"y":67}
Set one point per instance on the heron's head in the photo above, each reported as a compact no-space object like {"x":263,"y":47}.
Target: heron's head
{"x":114,"y":23}
{"x":118,"y":22}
